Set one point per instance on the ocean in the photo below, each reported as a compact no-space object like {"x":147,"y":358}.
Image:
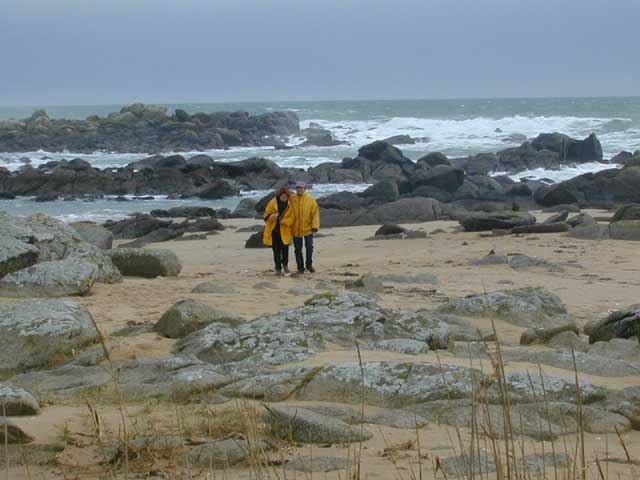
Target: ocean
{"x":457,"y":127}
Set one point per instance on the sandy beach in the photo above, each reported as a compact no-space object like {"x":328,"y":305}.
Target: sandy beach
{"x":596,"y":277}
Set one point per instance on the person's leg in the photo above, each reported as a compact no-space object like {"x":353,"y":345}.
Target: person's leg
{"x":285,"y":258}
{"x":276,"y":243}
{"x":297,"y":247}
{"x":308,"y":243}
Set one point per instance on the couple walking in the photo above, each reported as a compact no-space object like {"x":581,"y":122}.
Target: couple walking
{"x":290,"y":216}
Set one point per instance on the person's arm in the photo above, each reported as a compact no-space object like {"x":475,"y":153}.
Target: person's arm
{"x":289,"y":217}
{"x":315,"y":216}
{"x":272,"y":208}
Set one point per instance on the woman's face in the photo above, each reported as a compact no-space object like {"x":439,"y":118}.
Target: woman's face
{"x":284,"y":197}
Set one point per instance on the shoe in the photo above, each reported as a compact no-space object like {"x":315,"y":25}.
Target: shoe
{"x":311,"y":270}
{"x":286,"y":270}
{"x":279,"y":273}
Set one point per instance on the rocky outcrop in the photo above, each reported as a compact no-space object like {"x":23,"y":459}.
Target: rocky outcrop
{"x":145,"y":128}
{"x":138,"y":262}
{"x":478,"y":222}
{"x":39,"y":333}
{"x":46,"y":239}
{"x":59,"y":278}
{"x":623,"y":323}
{"x":94,"y":234}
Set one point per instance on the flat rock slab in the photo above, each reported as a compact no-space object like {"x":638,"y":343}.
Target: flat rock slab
{"x":15,"y":401}
{"x":212,"y":287}
{"x":39,"y":333}
{"x":300,"y":425}
{"x":62,"y":278}
{"x":525,"y":307}
{"x":225,"y":453}
{"x":138,"y":262}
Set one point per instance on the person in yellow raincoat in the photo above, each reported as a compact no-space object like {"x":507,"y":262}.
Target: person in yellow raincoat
{"x":307,"y":222}
{"x":279,"y":218}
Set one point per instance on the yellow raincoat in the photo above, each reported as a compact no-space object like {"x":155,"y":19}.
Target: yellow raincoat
{"x":285,"y":226}
{"x":307,"y":214}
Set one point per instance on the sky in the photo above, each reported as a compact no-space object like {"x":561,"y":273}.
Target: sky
{"x":88,"y":52}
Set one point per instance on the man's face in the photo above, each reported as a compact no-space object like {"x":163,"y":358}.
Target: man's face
{"x":300,"y":190}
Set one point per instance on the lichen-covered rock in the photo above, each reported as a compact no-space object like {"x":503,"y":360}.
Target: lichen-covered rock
{"x":138,"y":262}
{"x":56,"y":240}
{"x":391,"y":384}
{"x":39,"y":333}
{"x":15,"y":255}
{"x":625,"y":230}
{"x":318,"y":464}
{"x":525,"y":307}
{"x":400,"y":345}
{"x":295,"y":334}
{"x":272,"y":387}
{"x":187,"y":316}
{"x":300,"y":425}
{"x":61,"y":278}
{"x":17,"y":401}
{"x":481,"y":221}
{"x":225,"y":453}
{"x":568,"y":340}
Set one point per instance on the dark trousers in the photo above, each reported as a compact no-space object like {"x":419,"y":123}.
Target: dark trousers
{"x":297,"y":245}
{"x":280,"y":251}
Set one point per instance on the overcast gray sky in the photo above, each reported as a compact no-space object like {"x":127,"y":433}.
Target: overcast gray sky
{"x":116,"y":51}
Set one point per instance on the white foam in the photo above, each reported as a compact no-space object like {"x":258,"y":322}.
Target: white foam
{"x":566,"y":173}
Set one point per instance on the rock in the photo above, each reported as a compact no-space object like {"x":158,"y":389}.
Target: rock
{"x":343,"y":201}
{"x":589,"y":232}
{"x":94,"y":234}
{"x":219,"y":189}
{"x":15,"y":401}
{"x":383,"y":192}
{"x":526,"y":307}
{"x":55,"y":240}
{"x":400,"y":345}
{"x":41,"y":332}
{"x":136,"y":226}
{"x":568,"y":340}
{"x":138,"y":262}
{"x":490,"y":259}
{"x":255,"y":241}
{"x":400,"y":140}
{"x":299,"y":425}
{"x":15,"y":255}
{"x":478,"y":222}
{"x":12,"y":434}
{"x":468,"y":349}
{"x":245,"y":209}
{"x":420,"y":278}
{"x":444,"y":177}
{"x":568,"y":149}
{"x":390,"y":384}
{"x":534,"y":336}
{"x":524,"y":262}
{"x":61,"y":278}
{"x":556,"y":227}
{"x":625,"y":230}
{"x":433,"y":159}
{"x":549,"y":196}
{"x":627,"y":212}
{"x":187,"y":316}
{"x":558,"y":217}
{"x":390,"y":229}
{"x":225,"y":453}
{"x":581,"y":220}
{"x":212,"y":287}
{"x":366,"y":283}
{"x":318,"y":464}
{"x":626,"y":402}
{"x":272,"y":387}
{"x":624,"y":323}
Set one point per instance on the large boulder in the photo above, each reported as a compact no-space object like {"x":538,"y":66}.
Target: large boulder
{"x":444,"y":177}
{"x":136,"y":226}
{"x":382,"y":192}
{"x":187,"y":316}
{"x":138,"y":262}
{"x":56,"y":240}
{"x":625,"y":230}
{"x":624,"y":323}
{"x":94,"y":234}
{"x":218,"y":189}
{"x":525,"y":307}
{"x":16,"y":401}
{"x":481,"y":221}
{"x":60,"y":278}
{"x":15,"y":255}
{"x":39,"y":333}
{"x":627,"y":212}
{"x":548,"y":196}
{"x":569,"y":149}
{"x":433,"y":159}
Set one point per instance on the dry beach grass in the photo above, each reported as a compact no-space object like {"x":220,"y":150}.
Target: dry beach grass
{"x":75,"y":439}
